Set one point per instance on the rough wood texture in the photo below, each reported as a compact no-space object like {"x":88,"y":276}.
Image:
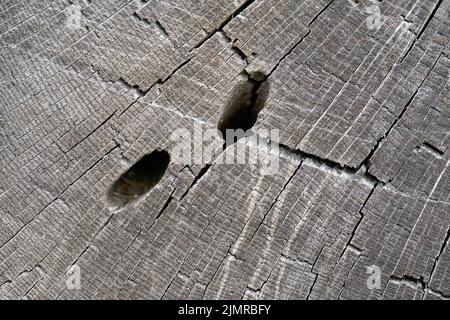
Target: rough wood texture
{"x":363,"y":179}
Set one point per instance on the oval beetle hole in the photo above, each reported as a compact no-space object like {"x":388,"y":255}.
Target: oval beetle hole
{"x":247,"y":101}
{"x":139,"y":179}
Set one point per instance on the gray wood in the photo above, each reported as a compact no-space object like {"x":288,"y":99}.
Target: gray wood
{"x":363,"y":179}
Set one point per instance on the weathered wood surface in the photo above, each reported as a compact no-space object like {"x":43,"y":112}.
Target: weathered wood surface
{"x":363,"y":179}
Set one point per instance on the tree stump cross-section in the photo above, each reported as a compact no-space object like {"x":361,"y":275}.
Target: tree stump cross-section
{"x":339,"y":187}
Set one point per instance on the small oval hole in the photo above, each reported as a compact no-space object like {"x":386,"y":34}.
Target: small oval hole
{"x":139,"y":179}
{"x":246,"y":102}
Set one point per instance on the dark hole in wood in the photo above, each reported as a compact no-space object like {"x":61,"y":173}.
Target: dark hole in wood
{"x":140,"y":178}
{"x":247,"y":101}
